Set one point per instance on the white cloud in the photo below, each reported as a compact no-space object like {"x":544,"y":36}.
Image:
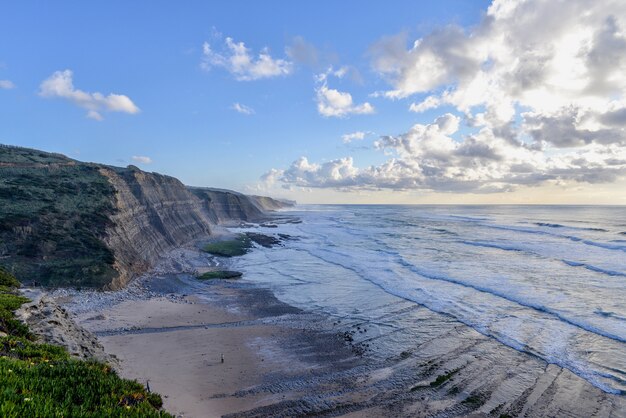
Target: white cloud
{"x":92,"y":114}
{"x":539,"y":55}
{"x":429,"y":158}
{"x":6,"y":84}
{"x":241,"y":108}
{"x":60,"y":85}
{"x":540,"y":86}
{"x":431,"y":102}
{"x":355,"y":136}
{"x":347,"y":138}
{"x":239,"y":61}
{"x":335,"y":173}
{"x":271,"y":177}
{"x":335,"y":103}
{"x":142,"y":159}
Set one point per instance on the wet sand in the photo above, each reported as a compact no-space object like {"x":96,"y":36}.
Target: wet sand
{"x":280,"y":361}
{"x":171,"y":329}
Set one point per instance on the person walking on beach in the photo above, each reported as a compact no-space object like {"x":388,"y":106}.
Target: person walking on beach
{"x":222,"y":357}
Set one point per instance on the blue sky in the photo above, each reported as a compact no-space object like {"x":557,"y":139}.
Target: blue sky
{"x":181,"y":114}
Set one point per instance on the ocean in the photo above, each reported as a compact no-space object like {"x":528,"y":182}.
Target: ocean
{"x":546,"y":280}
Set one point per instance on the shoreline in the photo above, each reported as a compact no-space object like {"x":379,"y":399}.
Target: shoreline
{"x":177,"y":345}
{"x":171,"y":329}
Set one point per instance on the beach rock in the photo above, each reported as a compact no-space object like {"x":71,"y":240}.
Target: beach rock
{"x":266,"y":241}
{"x":52,"y":324}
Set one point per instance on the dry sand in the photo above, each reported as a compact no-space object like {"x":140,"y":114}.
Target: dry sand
{"x":177,"y":345}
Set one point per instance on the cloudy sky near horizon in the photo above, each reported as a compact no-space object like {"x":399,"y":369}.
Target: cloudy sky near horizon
{"x":397,"y":102}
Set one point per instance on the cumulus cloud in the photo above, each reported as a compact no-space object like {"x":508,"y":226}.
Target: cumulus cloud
{"x":6,"y":84}
{"x":238,"y":60}
{"x":546,"y":57}
{"x":60,"y":84}
{"x":335,"y":103}
{"x":347,"y":138}
{"x":142,"y":159}
{"x":243,"y":109}
{"x":539,"y":85}
{"x":428,"y":157}
{"x":335,"y":173}
{"x":431,"y":102}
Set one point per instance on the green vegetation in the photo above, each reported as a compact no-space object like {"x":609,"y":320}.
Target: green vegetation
{"x":474,"y":400}
{"x":9,"y":302}
{"x":230,"y":248}
{"x":220,"y":274}
{"x":53,"y":214}
{"x":39,"y":380}
{"x":441,"y":379}
{"x":7,"y":280}
{"x":64,"y":387}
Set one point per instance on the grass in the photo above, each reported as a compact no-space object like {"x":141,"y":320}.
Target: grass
{"x":220,"y":274}
{"x":230,"y":248}
{"x":53,"y":219}
{"x":38,"y":380}
{"x":9,"y":302}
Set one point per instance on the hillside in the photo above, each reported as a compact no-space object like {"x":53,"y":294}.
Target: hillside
{"x":68,"y":223}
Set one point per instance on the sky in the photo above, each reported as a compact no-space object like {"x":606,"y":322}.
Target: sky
{"x":330,"y":102}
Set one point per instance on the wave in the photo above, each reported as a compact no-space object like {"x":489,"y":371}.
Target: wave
{"x":553,"y":225}
{"x":549,"y":225}
{"x":568,"y":262}
{"x":609,"y":314}
{"x":573,"y":238}
{"x":492,"y":245}
{"x":397,"y":258}
{"x":594,"y":268}
{"x":469,"y":218}
{"x":431,"y":303}
{"x":517,"y":300}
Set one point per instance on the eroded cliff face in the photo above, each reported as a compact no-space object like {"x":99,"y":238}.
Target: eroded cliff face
{"x":224,"y":206}
{"x":68,"y":223}
{"x":156,"y":213}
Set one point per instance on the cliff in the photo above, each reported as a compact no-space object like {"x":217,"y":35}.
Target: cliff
{"x":225,"y":205}
{"x":65,"y":222}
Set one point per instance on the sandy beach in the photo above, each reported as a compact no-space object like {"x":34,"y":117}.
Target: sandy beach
{"x":171,"y":330}
{"x":176,"y":345}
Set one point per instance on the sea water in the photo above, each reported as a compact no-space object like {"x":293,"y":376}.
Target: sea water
{"x":546,"y":280}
